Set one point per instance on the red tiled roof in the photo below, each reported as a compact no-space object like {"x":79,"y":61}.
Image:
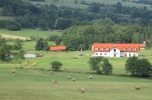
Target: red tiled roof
{"x":57,"y":48}
{"x":106,"y":47}
{"x":142,"y":45}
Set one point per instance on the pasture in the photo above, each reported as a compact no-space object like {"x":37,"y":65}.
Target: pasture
{"x":32,"y":80}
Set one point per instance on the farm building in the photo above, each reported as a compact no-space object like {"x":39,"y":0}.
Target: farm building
{"x":142,"y":46}
{"x":115,"y":50}
{"x":29,"y":55}
{"x":57,"y":48}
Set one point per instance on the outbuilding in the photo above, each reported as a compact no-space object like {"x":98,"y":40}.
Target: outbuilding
{"x":57,"y":48}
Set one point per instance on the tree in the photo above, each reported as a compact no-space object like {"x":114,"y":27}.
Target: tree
{"x":94,"y":7}
{"x":20,"y":56}
{"x":53,"y":37}
{"x":130,"y":65}
{"x":46,"y":47}
{"x":2,"y":41}
{"x":43,"y":25}
{"x":138,"y":67}
{"x":58,"y":41}
{"x":76,"y":1}
{"x":13,"y":26}
{"x":71,"y":41}
{"x":56,"y":65}
{"x":94,"y":63}
{"x":17,"y":44}
{"x":5,"y":52}
{"x":106,"y":66}
{"x":144,"y":68}
{"x":41,"y":44}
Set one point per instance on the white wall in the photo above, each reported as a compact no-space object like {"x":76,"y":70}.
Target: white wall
{"x":129,"y":54}
{"x":116,"y":52}
{"x":104,"y":54}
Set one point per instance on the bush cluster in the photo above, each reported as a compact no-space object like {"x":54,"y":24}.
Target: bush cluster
{"x":138,"y":67}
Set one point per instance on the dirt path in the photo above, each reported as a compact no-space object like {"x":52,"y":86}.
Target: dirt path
{"x":14,"y":37}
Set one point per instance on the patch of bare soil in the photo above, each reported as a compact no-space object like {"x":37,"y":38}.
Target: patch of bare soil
{"x":13,"y":37}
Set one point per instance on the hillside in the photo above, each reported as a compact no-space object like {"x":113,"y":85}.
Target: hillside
{"x":57,"y":14}
{"x":77,"y":3}
{"x":97,"y":22}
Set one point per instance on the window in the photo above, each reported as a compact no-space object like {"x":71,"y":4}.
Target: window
{"x":105,"y":53}
{"x":107,"y":48}
{"x":100,"y":53}
{"x":129,"y":48}
{"x":96,"y":53}
{"x":134,"y":49}
{"x":96,"y":48}
{"x":101,"y":48}
{"x":129,"y":55}
{"x":114,"y":50}
{"x":125,"y":55}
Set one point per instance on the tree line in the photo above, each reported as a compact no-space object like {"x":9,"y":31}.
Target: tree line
{"x":82,"y":37}
{"x":136,"y":67}
{"x":44,"y":17}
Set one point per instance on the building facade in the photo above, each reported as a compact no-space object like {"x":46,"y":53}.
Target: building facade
{"x":115,"y":50}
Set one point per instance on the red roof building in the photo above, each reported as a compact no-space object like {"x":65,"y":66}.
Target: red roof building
{"x":115,"y":50}
{"x":57,"y":48}
{"x":142,"y":46}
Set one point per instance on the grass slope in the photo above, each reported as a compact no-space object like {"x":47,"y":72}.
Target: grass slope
{"x":34,"y":82}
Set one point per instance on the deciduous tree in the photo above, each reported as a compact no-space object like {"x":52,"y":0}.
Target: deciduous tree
{"x":56,"y":65}
{"x":138,"y":67}
{"x":106,"y":66}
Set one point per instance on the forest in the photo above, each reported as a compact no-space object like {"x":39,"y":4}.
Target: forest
{"x":96,"y":23}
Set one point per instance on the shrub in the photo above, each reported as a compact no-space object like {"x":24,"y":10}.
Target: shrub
{"x":138,"y":67}
{"x":56,"y":65}
{"x":53,"y":37}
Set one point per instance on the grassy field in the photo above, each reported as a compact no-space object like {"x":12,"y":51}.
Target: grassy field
{"x":33,"y":81}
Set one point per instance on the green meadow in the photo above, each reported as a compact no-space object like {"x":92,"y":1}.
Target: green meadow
{"x":32,"y":80}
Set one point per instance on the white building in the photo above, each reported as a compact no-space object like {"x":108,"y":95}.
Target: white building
{"x":115,"y":50}
{"x":29,"y":55}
